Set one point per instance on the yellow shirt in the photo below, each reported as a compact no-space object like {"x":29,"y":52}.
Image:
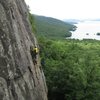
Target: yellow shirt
{"x":36,"y":49}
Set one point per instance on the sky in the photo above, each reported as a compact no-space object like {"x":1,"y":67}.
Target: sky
{"x":66,"y":9}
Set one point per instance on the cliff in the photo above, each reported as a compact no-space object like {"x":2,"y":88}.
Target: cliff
{"x":20,"y":79}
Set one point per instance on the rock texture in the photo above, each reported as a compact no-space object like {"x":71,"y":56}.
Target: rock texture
{"x":19,"y":78}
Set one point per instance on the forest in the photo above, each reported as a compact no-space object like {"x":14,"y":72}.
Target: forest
{"x":52,"y":28}
{"x":71,"y":67}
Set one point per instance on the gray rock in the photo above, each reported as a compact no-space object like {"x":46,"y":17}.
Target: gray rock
{"x":20,"y":79}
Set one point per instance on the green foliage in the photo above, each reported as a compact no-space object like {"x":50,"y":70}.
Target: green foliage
{"x":52,"y":28}
{"x":72,"y":69}
{"x":32,"y":22}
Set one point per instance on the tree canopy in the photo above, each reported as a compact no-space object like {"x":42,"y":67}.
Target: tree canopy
{"x":72,"y":69}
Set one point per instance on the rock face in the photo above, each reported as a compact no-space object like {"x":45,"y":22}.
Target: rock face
{"x":20,"y":79}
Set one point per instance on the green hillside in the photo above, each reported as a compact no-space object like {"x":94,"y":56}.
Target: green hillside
{"x":71,"y":67}
{"x":52,"y":28}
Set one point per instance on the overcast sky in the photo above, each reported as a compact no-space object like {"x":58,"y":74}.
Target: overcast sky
{"x":66,"y":9}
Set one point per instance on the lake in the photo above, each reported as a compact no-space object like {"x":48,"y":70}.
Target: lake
{"x":87,"y":30}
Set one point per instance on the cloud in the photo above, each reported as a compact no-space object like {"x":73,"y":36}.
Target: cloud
{"x":63,"y":9}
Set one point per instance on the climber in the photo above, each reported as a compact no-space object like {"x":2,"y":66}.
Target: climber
{"x":34,"y":52}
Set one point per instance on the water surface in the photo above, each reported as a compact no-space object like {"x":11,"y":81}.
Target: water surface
{"x":87,"y":30}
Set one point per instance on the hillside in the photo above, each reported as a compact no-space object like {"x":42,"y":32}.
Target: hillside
{"x":52,"y":28}
{"x":72,"y":69}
